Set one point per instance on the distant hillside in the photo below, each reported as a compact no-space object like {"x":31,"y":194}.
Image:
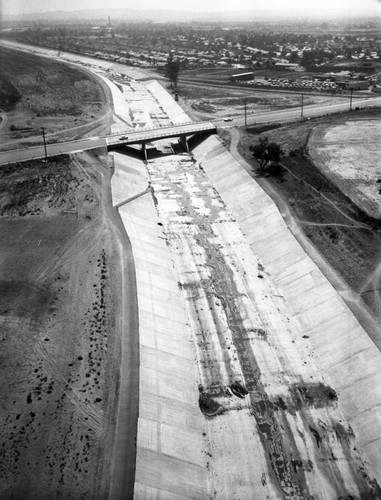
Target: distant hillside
{"x":162,"y":15}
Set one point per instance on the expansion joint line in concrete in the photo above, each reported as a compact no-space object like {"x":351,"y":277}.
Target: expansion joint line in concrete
{"x":122,"y":120}
{"x":132,"y":198}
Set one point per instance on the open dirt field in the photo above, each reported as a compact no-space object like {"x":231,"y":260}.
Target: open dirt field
{"x":349,"y":154}
{"x":204,"y":102}
{"x":40,"y":92}
{"x":60,"y":333}
{"x":339,"y":228}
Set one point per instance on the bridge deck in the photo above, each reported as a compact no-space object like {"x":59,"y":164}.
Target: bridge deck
{"x":152,"y":134}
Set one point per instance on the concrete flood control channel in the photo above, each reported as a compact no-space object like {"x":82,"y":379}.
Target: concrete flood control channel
{"x":238,"y":397}
{"x":235,"y":402}
{"x":257,"y":416}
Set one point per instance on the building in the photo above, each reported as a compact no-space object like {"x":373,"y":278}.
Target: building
{"x":354,"y":85}
{"x":239,"y":77}
{"x":286,"y":66}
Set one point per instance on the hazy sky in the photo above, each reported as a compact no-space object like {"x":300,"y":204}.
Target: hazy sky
{"x":294,"y":6}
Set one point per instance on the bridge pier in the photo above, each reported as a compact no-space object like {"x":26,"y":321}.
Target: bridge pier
{"x":144,"y":152}
{"x":183,"y":141}
{"x":142,"y":137}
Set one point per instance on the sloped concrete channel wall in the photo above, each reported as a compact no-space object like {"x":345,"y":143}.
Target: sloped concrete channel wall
{"x":349,"y":360}
{"x":170,"y":463}
{"x":172,"y":460}
{"x":174,"y":112}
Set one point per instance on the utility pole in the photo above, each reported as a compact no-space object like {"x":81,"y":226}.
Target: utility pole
{"x":245,"y":101}
{"x":351,"y":98}
{"x":301,"y":112}
{"x":43,"y":137}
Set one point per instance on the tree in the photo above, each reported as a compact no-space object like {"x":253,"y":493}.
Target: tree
{"x":308,"y":59}
{"x":267,"y":153}
{"x":294,"y":58}
{"x":173,"y":69}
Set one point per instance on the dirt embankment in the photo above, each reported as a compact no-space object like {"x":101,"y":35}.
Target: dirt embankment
{"x":60,"y":350}
{"x":39,"y":92}
{"x":347,"y":238}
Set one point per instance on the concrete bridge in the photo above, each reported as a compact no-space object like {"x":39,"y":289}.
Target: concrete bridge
{"x":130,"y":137}
{"x":147,"y":135}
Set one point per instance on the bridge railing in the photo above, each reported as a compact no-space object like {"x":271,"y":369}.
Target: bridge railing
{"x":150,"y":129}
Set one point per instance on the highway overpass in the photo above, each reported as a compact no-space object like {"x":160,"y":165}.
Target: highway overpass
{"x":130,"y":137}
{"x":144,"y":136}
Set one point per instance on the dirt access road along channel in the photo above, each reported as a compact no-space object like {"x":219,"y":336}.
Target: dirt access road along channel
{"x":41,"y":92}
{"x":60,"y":328}
{"x":320,"y":204}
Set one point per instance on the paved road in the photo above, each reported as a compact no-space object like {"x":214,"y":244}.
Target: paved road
{"x":279,"y":116}
{"x":132,"y":137}
{"x":285,"y":115}
{"x":33,"y":152}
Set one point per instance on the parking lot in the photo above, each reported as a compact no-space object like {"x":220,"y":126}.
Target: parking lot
{"x":304,"y":84}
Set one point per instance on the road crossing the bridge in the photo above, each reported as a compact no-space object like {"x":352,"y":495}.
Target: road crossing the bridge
{"x":144,"y":135}
{"x":132,"y":136}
